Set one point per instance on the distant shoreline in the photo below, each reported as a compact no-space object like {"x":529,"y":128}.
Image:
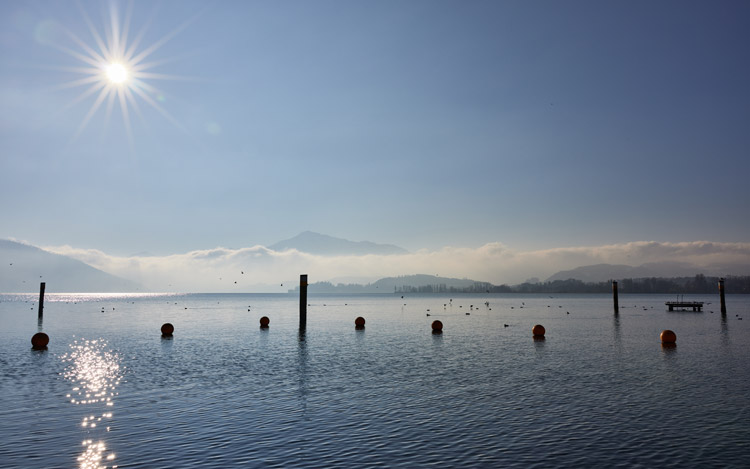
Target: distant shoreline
{"x":699,"y":284}
{"x":32,"y":297}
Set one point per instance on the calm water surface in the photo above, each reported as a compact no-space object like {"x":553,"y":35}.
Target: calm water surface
{"x":599,"y":391}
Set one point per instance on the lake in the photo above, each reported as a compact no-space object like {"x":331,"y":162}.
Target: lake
{"x":598,"y":391}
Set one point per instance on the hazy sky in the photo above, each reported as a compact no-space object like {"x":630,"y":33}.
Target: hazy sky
{"x":426,"y":124}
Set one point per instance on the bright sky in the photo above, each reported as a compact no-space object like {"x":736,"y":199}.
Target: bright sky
{"x":420,"y":123}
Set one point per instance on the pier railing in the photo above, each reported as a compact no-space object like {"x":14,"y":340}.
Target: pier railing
{"x":683,"y":305}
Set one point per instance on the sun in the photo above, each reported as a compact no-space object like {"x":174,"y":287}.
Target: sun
{"x":117,"y":69}
{"x":116,"y":73}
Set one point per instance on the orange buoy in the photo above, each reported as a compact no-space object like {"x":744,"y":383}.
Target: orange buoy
{"x":359,"y":323}
{"x":264,"y":321}
{"x":39,"y":341}
{"x":668,"y":337}
{"x":538,"y":330}
{"x":437,"y":326}
{"x":167,"y":329}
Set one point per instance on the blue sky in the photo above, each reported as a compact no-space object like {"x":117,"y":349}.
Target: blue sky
{"x":425,"y":124}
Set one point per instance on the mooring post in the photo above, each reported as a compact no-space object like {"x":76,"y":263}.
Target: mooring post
{"x":614,"y":296}
{"x":41,"y":300}
{"x":303,"y":300}
{"x":721,"y":296}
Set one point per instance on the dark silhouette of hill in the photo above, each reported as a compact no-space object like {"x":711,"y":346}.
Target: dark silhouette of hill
{"x":419,"y":283}
{"x":316,"y":243}
{"x":23,"y":267}
{"x":432,"y":284}
{"x":604,"y":272}
{"x":424,"y":281}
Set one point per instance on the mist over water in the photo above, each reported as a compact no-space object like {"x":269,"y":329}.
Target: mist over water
{"x":600,"y":390}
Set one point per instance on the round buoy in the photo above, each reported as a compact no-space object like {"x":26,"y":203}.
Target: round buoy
{"x":668,"y":337}
{"x":437,"y":326}
{"x":39,"y":341}
{"x":538,"y":330}
{"x":264,"y":321}
{"x":167,"y":329}
{"x":359,"y":323}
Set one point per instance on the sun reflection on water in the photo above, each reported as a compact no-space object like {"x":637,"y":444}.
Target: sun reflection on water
{"x":95,"y":372}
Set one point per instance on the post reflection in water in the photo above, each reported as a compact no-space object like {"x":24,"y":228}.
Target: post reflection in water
{"x":302,"y":370}
{"x":95,"y":373}
{"x":724,"y":329}
{"x":618,"y":336}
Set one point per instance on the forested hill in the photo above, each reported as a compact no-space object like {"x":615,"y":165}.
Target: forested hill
{"x":699,"y":284}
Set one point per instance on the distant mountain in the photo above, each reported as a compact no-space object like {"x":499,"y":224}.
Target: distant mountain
{"x":604,"y":272}
{"x":23,"y":267}
{"x":316,"y":243}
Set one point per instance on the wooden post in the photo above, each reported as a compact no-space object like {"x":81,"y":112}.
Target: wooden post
{"x":721,"y":296}
{"x":614,"y":296}
{"x":302,"y":300}
{"x":41,"y":300}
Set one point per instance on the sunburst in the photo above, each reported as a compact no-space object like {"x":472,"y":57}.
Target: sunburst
{"x":116,"y":70}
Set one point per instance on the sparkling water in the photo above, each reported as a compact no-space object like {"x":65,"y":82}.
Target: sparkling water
{"x":598,"y":391}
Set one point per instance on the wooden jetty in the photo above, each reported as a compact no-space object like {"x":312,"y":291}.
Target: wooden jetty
{"x":684,"y":305}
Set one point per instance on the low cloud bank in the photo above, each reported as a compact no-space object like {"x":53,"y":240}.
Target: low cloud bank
{"x":259,"y":269}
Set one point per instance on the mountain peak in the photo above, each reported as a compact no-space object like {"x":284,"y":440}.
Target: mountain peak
{"x":317,"y":243}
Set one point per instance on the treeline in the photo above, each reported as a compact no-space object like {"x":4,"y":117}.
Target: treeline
{"x":699,"y":284}
{"x":557,"y":286}
{"x":476,"y":287}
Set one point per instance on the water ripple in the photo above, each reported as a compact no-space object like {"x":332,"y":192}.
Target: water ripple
{"x":95,"y":372}
{"x":596,"y":393}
